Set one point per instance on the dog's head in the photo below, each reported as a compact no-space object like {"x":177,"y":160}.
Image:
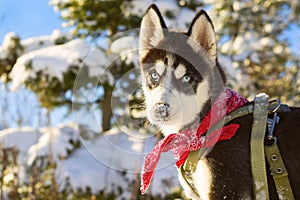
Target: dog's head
{"x":180,"y":71}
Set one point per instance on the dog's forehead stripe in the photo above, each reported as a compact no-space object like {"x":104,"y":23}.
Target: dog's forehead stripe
{"x":160,"y":67}
{"x":170,"y":59}
{"x":180,"y":71}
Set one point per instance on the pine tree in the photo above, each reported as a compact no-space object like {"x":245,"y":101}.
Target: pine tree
{"x":252,"y":34}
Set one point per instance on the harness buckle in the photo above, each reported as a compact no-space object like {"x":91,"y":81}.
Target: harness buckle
{"x":271,"y":122}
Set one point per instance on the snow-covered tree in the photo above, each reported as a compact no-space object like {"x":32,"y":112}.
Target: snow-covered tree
{"x":253,"y":34}
{"x":10,"y":50}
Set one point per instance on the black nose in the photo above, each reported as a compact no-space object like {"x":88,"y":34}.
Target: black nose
{"x":162,"y":110}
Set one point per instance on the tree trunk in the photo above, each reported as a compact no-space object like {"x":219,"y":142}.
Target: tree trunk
{"x":106,"y":108}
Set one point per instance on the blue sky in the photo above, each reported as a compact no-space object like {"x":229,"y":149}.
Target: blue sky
{"x":27,"y":18}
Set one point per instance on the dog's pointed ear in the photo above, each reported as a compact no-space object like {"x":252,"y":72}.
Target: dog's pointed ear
{"x":152,"y":30}
{"x":202,"y":32}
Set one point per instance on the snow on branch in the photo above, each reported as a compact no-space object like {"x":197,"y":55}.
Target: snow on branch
{"x":56,"y":60}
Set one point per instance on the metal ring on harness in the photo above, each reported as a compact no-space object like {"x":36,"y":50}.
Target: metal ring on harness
{"x":277,"y":107}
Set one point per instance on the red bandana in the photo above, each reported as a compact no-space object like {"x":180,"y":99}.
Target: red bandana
{"x":182,"y":143}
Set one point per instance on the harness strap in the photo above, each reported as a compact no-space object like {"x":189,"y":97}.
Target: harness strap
{"x":188,"y":179}
{"x":279,"y":172}
{"x":260,"y":115}
{"x":281,"y":180}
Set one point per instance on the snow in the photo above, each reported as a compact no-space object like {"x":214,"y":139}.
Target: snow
{"x":36,"y":43}
{"x":108,"y":155}
{"x":30,"y":44}
{"x":56,"y":60}
{"x":247,"y":46}
{"x":262,"y":96}
{"x":8,"y":43}
{"x":91,"y":22}
{"x":21,"y":138}
{"x":126,"y":47}
{"x":54,"y":139}
{"x":68,"y":24}
{"x":86,"y":172}
{"x":118,"y":46}
{"x":44,"y":54}
{"x":98,"y":164}
{"x":39,"y":42}
{"x":281,"y":191}
{"x":182,"y":16}
{"x":226,"y":63}
{"x":269,"y":28}
{"x":139,"y":7}
{"x":237,"y":5}
{"x":267,"y":41}
{"x":65,"y":14}
{"x":123,"y":150}
{"x":261,"y":194}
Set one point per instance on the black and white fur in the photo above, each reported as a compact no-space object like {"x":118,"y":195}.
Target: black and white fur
{"x":181,"y":80}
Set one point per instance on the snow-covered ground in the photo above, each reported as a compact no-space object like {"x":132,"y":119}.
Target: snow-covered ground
{"x":98,"y":163}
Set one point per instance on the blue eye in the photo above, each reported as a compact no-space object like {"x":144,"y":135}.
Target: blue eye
{"x":154,"y":76}
{"x":186,"y":79}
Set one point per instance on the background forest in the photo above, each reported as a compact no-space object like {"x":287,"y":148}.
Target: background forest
{"x":72,"y":124}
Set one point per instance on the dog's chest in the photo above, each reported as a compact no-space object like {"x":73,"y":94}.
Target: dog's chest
{"x":210,"y":186}
{"x":202,"y":180}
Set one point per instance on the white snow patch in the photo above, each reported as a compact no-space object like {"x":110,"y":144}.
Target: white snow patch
{"x":127,"y":48}
{"x":183,"y":19}
{"x":98,"y":164}
{"x":281,"y":190}
{"x":55,"y":140}
{"x":262,"y":95}
{"x":91,"y":23}
{"x":226,"y":63}
{"x":267,"y":41}
{"x":139,"y":8}
{"x":8,"y":43}
{"x":20,"y":138}
{"x":262,"y":194}
{"x":39,"y":42}
{"x":182,"y":16}
{"x":56,"y":60}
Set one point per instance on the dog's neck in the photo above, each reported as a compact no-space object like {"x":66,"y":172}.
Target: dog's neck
{"x":193,"y":125}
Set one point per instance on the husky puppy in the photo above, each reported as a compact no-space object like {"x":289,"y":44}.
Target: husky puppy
{"x":181,"y":80}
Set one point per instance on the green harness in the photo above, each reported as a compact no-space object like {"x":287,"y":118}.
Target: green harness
{"x":259,"y":150}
